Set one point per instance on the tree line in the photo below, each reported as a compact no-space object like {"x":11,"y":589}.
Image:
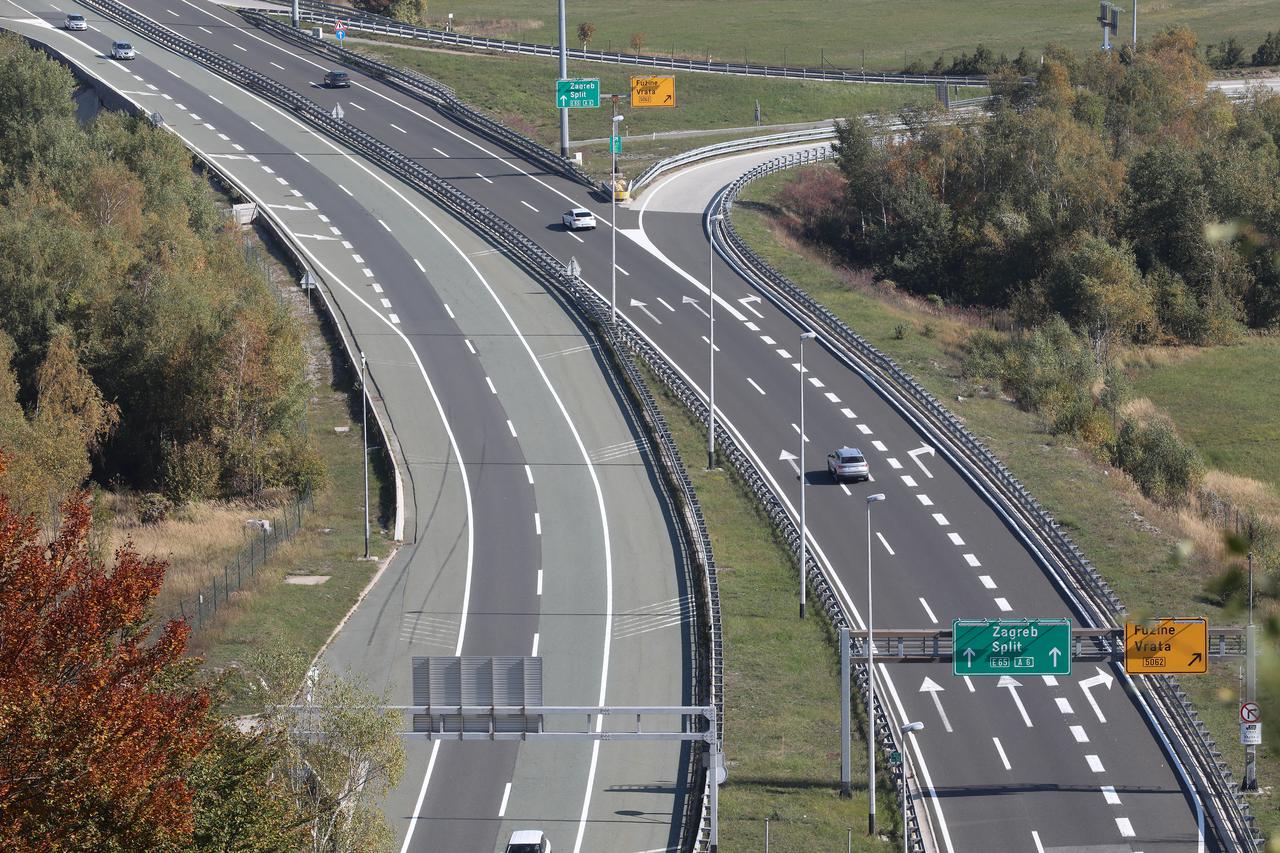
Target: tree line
{"x":138,"y":343}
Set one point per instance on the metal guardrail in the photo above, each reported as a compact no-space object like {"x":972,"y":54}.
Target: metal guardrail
{"x":426,"y":89}
{"x":619,"y":340}
{"x":328,"y":13}
{"x":719,"y":149}
{"x":1066,"y":563}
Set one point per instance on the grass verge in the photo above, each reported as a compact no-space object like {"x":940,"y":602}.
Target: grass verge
{"x":1126,"y":536}
{"x":782,"y":676}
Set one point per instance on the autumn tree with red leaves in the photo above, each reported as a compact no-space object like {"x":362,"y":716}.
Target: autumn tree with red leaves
{"x":97,"y":722}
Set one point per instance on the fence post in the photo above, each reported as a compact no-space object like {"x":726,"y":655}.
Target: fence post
{"x":226,"y":583}
{"x":264,"y":544}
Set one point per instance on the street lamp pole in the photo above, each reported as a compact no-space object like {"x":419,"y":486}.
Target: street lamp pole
{"x":804,"y":336}
{"x":906,"y":788}
{"x":613,"y":217}
{"x":364,"y":433}
{"x":711,"y":336}
{"x":871,"y":684}
{"x":564,"y":75}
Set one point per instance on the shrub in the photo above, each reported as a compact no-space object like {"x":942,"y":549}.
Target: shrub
{"x":1163,"y":466}
{"x":190,"y":471}
{"x":153,"y":508}
{"x":899,"y":331}
{"x":984,"y":356}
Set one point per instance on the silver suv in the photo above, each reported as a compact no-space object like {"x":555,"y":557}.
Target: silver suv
{"x":75,"y":22}
{"x":122,"y":50}
{"x":848,"y":463}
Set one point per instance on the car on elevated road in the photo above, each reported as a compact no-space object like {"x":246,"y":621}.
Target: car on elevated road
{"x":578,"y":218}
{"x":528,"y":841}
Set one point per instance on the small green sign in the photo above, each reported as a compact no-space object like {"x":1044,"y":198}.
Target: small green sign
{"x":895,"y":757}
{"x":578,"y":94}
{"x":615,"y":144}
{"x":1011,"y":647}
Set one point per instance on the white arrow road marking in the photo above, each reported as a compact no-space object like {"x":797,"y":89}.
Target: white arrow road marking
{"x":689,"y":300}
{"x":915,"y":456}
{"x":1103,"y":677}
{"x":1013,"y":685}
{"x":746,"y":303}
{"x":933,"y":688}
{"x":636,"y":303}
{"x":790,"y":458}
{"x":317,"y":237}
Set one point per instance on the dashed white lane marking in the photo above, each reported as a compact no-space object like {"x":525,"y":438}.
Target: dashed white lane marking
{"x":394,"y":318}
{"x":1050,"y":680}
{"x":1035,"y":836}
{"x":386,"y":303}
{"x":1064,"y":705}
{"x":241,"y":147}
{"x":884,"y":543}
{"x":1095,"y":763}
{"x":576,"y":237}
{"x":506,"y":791}
{"x":215,"y":100}
{"x":752,"y":326}
{"x":420,"y":266}
{"x":377,"y":288}
{"x":526,"y":204}
{"x":528,"y":473}
{"x":449,"y":311}
{"x":302,"y":156}
{"x":848,"y":413}
{"x":171,"y":12}
{"x":1109,"y":794}
{"x":968,"y":682}
{"x":179,"y":76}
{"x":797,"y":429}
{"x":666,"y":304}
{"x":1079,"y":734}
{"x":368,"y":273}
{"x":384,"y":225}
{"x":864,"y":429}
{"x":169,"y":97}
{"x":179,"y":106}
{"x":489,"y":381}
{"x":153,"y":88}
{"x":832,"y":398}
{"x":345,"y":190}
{"x":755,"y":386}
{"x":987,"y":581}
{"x":879,"y":445}
{"x":941,"y":519}
{"x":925,"y":500}
{"x":268,"y":170}
{"x":357,"y":106}
{"x":1004,"y":759}
{"x":195,"y":117}
{"x":1003,"y":604}
{"x":955,"y":538}
{"x":816,"y":382}
{"x":198,"y":27}
{"x":282,"y":182}
{"x":621,"y":270}
{"x":846,"y":490}
{"x":471,"y":347}
{"x":972,"y":560}
{"x":438,"y":151}
{"x":356,"y":258}
{"x":894,"y":463}
{"x":245,"y":49}
{"x":537,"y":523}
{"x":278,"y":65}
{"x":512,"y":427}
{"x":1125,"y":827}
{"x":208,"y":126}
{"x":534,"y":653}
{"x":539,"y":581}
{"x":783,"y":353}
{"x":707,"y":341}
{"x":768,"y":340}
{"x":909,"y":481}
{"x":928,"y":611}
{"x":478,"y":175}
{"x":258,"y":126}
{"x":398,"y":127}
{"x":224,"y":137}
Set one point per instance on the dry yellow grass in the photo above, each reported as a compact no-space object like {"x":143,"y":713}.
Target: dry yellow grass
{"x":1141,"y":410}
{"x":1244,"y":492}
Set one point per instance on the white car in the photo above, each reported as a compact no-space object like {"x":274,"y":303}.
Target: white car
{"x":578,"y":218}
{"x":528,"y":841}
{"x":122,"y":50}
{"x":75,"y":22}
{"x":848,"y":463}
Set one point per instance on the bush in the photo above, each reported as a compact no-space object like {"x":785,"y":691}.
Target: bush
{"x":153,"y":508}
{"x":899,"y":331}
{"x":190,"y":471}
{"x":1163,"y":466}
{"x":984,"y":356}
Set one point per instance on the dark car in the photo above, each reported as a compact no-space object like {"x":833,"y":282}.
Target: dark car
{"x":337,"y":80}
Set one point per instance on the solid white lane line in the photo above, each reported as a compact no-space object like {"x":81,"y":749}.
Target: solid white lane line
{"x":1035,"y":836}
{"x":1079,"y":734}
{"x":438,"y":151}
{"x":1109,"y":794}
{"x":492,"y":390}
{"x":968,"y":682}
{"x":880,"y":536}
{"x":258,"y":126}
{"x":449,"y":311}
{"x":526,"y":204}
{"x":972,"y":560}
{"x":1125,"y":827}
{"x":925,"y":500}
{"x":1064,"y":705}
{"x":941,"y":519}
{"x":955,"y":539}
{"x":478,"y":175}
{"x":534,"y":653}
{"x":848,"y":413}
{"x":471,"y":347}
{"x":987,"y":581}
{"x":537,"y":523}
{"x":755,"y":386}
{"x":398,"y":127}
{"x":506,"y":791}
{"x":420,"y":266}
{"x":528,"y":473}
{"x":1003,"y":604}
{"x":511,"y":427}
{"x":1004,"y":759}
{"x":1095,"y":763}
{"x":539,"y":581}
{"x":928,"y":611}
{"x":179,"y":76}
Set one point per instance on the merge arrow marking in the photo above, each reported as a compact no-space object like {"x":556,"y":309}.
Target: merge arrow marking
{"x":933,"y":688}
{"x":1101,"y":678}
{"x":746,"y":303}
{"x":636,"y":303}
{"x":915,"y":456}
{"x":689,"y":300}
{"x":1013,"y":685}
{"x":790,"y":458}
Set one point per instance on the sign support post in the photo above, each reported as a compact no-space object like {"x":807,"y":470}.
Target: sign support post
{"x":564,"y":72}
{"x":1250,"y":781}
{"x":846,"y":727}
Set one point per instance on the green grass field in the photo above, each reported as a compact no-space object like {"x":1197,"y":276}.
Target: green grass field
{"x":1099,"y":510}
{"x":1222,"y":400}
{"x":890,"y":34}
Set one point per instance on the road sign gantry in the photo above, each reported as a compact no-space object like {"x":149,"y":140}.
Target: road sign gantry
{"x":1011,"y":646}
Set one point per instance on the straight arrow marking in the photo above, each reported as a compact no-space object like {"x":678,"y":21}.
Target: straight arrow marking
{"x":689,"y":300}
{"x":1013,"y":685}
{"x":1102,"y":678}
{"x":636,"y":303}
{"x":933,"y":688}
{"x":790,"y":458}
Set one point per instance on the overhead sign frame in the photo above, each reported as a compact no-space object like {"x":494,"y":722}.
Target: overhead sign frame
{"x":653,"y":91}
{"x":1175,"y":645}
{"x":1011,"y":647}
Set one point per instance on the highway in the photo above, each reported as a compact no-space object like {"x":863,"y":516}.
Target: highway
{"x":1045,"y":764}
{"x":534,"y":523}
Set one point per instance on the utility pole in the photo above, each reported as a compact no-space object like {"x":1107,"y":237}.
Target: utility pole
{"x":1135,"y":25}
{"x":364,"y":434}
{"x":564,"y":75}
{"x":295,"y":14}
{"x":1250,"y":782}
{"x":846,"y":726}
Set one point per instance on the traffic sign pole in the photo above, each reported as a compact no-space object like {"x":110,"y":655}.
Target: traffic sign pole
{"x":564,"y":72}
{"x":1250,"y":781}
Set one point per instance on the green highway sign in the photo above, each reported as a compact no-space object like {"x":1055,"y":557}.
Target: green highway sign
{"x":615,"y":144}
{"x":578,"y":94}
{"x":1011,"y":646}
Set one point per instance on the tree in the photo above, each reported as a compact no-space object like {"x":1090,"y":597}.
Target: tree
{"x":586,"y":31}
{"x":1268,"y":53}
{"x":637,"y":42}
{"x":96,"y":723}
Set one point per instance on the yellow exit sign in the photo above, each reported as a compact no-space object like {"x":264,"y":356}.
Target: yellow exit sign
{"x":1167,"y":646}
{"x":653,"y":91}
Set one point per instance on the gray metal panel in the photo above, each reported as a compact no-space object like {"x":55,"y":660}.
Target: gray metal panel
{"x":477,"y":680}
